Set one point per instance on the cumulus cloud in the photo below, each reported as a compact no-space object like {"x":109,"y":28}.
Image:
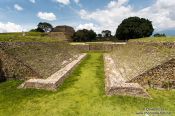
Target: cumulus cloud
{"x":161,"y":13}
{"x":10,"y":27}
{"x":65,"y":2}
{"x":47,"y":16}
{"x":32,"y":1}
{"x":87,"y":26}
{"x":18,"y":7}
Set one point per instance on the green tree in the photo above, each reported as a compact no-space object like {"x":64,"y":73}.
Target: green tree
{"x":106,"y":33}
{"x":36,"y":30}
{"x":159,"y":35}
{"x":44,"y":26}
{"x":134,"y":27}
{"x":84,"y":35}
{"x":99,"y":35}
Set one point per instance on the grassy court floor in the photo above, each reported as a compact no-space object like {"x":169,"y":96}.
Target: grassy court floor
{"x":81,"y":94}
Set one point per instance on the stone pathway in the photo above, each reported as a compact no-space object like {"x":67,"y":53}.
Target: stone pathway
{"x":55,"y":80}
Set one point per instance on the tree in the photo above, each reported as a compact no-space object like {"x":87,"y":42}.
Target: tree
{"x":46,"y":27}
{"x":106,"y":33}
{"x":36,"y":30}
{"x":84,"y":35}
{"x":134,"y":27}
{"x":99,"y":35}
{"x":159,"y":35}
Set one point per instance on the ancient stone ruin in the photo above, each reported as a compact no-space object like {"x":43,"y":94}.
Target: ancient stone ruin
{"x":115,"y":84}
{"x":64,"y":32}
{"x":161,"y":76}
{"x":55,"y":80}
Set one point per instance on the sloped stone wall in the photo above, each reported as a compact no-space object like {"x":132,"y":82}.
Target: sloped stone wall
{"x":115,"y":84}
{"x":14,"y":68}
{"x":159,"y":76}
{"x":164,"y":44}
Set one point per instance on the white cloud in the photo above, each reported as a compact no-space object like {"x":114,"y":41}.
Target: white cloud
{"x":47,"y":16}
{"x":161,"y":12}
{"x":32,"y":1}
{"x":77,"y":1}
{"x":18,"y":7}
{"x":65,"y":2}
{"x":10,"y":27}
{"x":114,"y":3}
{"x":88,"y":26}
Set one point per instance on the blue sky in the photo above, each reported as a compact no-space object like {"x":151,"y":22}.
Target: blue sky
{"x":90,"y":14}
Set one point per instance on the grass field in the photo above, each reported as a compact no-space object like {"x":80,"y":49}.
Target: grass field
{"x":154,"y":39}
{"x":81,"y":94}
{"x":29,"y":37}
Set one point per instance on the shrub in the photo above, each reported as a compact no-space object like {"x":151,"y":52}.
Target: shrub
{"x":159,"y":35}
{"x":84,"y":35}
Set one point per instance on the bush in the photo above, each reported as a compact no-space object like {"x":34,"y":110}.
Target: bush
{"x":134,"y":27}
{"x":84,"y":35}
{"x":159,"y":35}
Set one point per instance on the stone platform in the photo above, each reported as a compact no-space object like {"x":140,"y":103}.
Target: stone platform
{"x":55,"y":80}
{"x":115,"y":84}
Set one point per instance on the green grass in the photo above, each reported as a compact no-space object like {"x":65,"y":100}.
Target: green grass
{"x":29,"y":37}
{"x":81,"y":94}
{"x":154,"y":39}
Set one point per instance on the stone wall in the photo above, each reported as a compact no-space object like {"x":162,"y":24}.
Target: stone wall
{"x":160,"y":76}
{"x":164,"y":44}
{"x":61,"y":36}
{"x":14,"y":68}
{"x":97,"y":47}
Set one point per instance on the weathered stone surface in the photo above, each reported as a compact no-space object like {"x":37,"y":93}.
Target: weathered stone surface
{"x":115,"y":84}
{"x":14,"y":68}
{"x":62,"y":32}
{"x":55,"y":80}
{"x":165,"y":44}
{"x":2,"y":74}
{"x":64,"y":28}
{"x":158,"y":76}
{"x":98,"y":47}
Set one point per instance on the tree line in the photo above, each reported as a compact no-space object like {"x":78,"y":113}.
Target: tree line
{"x":130,"y":28}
